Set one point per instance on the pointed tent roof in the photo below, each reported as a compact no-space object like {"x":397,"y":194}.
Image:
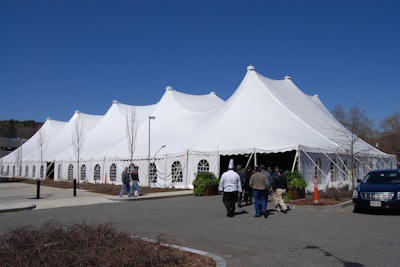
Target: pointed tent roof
{"x":41,"y":138}
{"x":272,"y":116}
{"x":178,"y":119}
{"x":79,"y":123}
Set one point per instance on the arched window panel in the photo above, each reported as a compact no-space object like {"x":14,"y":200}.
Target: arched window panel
{"x":83,"y":172}
{"x":70,"y":172}
{"x":97,"y":172}
{"x":41,"y":171}
{"x":59,"y":173}
{"x":153,"y":172}
{"x":203,"y":166}
{"x":113,"y":172}
{"x":26,"y":171}
{"x":176,"y":170}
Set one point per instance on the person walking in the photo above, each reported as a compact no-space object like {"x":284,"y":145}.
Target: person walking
{"x":248,"y":191}
{"x":135,"y":181}
{"x":279,"y":186}
{"x":125,"y":183}
{"x":240,"y":171}
{"x":259,"y":184}
{"x":230,"y":185}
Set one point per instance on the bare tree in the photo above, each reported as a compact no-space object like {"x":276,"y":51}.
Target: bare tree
{"x":359,"y":128}
{"x":41,"y":144}
{"x":389,"y":136}
{"x":131,"y":131}
{"x":77,"y":141}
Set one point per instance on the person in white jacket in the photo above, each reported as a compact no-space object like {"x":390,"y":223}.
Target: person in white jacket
{"x":230,"y":185}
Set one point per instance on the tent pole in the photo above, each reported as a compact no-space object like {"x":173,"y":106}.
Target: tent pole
{"x":255,"y":157}
{"x":187,"y":167}
{"x":248,"y":161}
{"x":295,"y":159}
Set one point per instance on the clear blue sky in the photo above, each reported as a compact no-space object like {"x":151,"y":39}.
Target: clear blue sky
{"x":60,"y":56}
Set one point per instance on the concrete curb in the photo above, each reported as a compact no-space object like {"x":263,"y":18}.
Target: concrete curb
{"x":220,"y":262}
{"x":12,"y":208}
{"x":152,"y":196}
{"x":322,"y":208}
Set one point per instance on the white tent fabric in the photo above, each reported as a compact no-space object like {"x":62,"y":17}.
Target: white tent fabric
{"x":32,"y":149}
{"x":183,"y":134}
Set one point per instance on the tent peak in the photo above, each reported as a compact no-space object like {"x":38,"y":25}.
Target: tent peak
{"x":169,"y":88}
{"x":250,"y":68}
{"x":287,"y":77}
{"x":115,"y":102}
{"x":77,"y":112}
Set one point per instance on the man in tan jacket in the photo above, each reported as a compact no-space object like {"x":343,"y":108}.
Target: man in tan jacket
{"x":259,"y":183}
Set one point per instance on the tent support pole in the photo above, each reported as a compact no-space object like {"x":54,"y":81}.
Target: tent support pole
{"x":187,"y":168}
{"x":248,"y":161}
{"x":295,"y":159}
{"x":255,"y":157}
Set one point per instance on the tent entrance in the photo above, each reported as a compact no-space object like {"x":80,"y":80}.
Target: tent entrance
{"x":282,"y":159}
{"x":50,"y":170}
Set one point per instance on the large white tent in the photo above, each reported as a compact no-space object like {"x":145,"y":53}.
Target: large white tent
{"x":182,"y":134}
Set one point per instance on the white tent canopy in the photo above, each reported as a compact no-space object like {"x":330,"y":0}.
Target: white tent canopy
{"x":183,"y":134}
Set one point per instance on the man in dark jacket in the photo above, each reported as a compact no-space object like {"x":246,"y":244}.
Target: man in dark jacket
{"x":279,"y":186}
{"x":125,"y":179}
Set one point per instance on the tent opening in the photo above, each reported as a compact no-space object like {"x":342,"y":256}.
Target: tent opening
{"x":282,"y":159}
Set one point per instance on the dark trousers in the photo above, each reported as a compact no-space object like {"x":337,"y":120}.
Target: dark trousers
{"x":229,"y":199}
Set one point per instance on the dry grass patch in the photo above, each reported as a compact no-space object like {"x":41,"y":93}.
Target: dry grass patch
{"x":89,"y":245}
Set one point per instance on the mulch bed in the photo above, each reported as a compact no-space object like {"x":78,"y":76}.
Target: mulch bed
{"x":321,"y":201}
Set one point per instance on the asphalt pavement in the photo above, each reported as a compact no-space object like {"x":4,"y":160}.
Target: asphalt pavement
{"x":15,"y":196}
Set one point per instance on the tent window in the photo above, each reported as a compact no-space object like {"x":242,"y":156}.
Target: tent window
{"x":58,"y":171}
{"x":177,"y":175}
{"x":13,"y":172}
{"x":333,"y":171}
{"x":113,"y":172}
{"x":83,"y":172}
{"x":20,"y":171}
{"x":26,"y":171}
{"x":70,"y":172}
{"x":153,"y":172}
{"x":97,"y":172}
{"x":33,"y":171}
{"x":203,"y":166}
{"x":41,"y":171}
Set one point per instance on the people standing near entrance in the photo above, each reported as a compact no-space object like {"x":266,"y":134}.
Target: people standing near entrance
{"x":240,"y":171}
{"x":135,"y":181}
{"x":269,"y":180}
{"x":248,"y":191}
{"x":125,"y":183}
{"x":275,"y":173}
{"x":259,"y":184}
{"x":279,"y":186}
{"x":230,"y":185}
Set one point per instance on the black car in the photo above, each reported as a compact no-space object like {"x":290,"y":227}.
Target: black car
{"x":379,"y":190}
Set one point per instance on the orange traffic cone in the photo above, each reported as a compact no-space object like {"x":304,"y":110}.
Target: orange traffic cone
{"x":316,"y":198}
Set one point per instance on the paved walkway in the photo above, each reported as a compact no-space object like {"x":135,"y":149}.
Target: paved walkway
{"x":21,"y":196}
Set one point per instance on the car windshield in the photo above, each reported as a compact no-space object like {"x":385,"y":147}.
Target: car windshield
{"x":382,"y":178}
